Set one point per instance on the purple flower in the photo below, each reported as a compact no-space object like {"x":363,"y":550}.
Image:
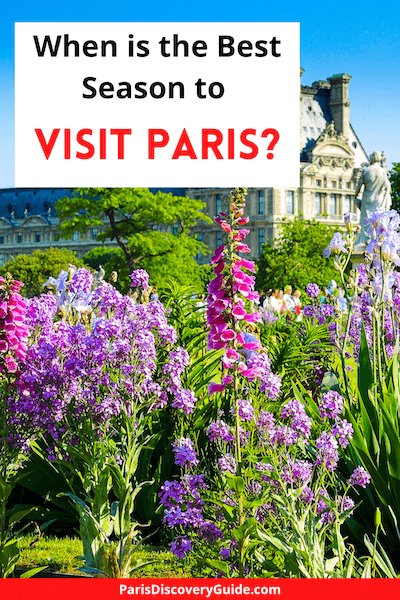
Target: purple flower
{"x":183,"y":400}
{"x":345,"y":504}
{"x":181,"y":546}
{"x":185,"y":454}
{"x":336,"y":245}
{"x":209,"y":532}
{"x":308,"y":311}
{"x":343,"y":430}
{"x":307,"y":495}
{"x":227,"y":464}
{"x":297,"y":472}
{"x":328,"y":451}
{"x":225,"y":553}
{"x":331,"y":405}
{"x":140,"y":279}
{"x":313,"y":290}
{"x":360,"y":477}
{"x":219,"y":430}
{"x":300,"y":421}
{"x":245,"y":410}
{"x":255,"y":488}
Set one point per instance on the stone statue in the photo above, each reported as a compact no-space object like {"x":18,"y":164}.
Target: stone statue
{"x":376,"y":192}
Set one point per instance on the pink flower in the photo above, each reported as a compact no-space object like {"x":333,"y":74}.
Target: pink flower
{"x":243,"y":248}
{"x":11,"y":364}
{"x":228,"y":335}
{"x":218,"y":254}
{"x":219,"y":267}
{"x":252,"y":318}
{"x":241,"y":235}
{"x":252,"y":345}
{"x":213,"y":388}
{"x":250,"y":374}
{"x":3,"y":309}
{"x":247,"y":264}
{"x":225,"y":226}
{"x":239,"y":312}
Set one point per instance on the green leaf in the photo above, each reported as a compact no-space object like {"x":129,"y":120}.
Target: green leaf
{"x":32,"y":572}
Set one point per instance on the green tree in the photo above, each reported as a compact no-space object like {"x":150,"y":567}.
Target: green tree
{"x":394,"y":176}
{"x":163,"y":270}
{"x":297,"y":257}
{"x":34,"y":269}
{"x":152,"y":231}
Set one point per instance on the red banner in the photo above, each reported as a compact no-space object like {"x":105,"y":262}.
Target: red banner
{"x":114,"y":589}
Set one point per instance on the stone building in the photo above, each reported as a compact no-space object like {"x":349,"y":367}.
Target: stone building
{"x":330,"y":156}
{"x":28,"y":222}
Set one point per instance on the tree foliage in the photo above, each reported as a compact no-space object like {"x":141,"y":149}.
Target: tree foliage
{"x":394,"y":176}
{"x":163,"y":270}
{"x":297,"y":257}
{"x":152,"y":231}
{"x":34,"y":269}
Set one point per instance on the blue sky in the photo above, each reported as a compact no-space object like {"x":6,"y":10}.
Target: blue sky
{"x":357,"y":37}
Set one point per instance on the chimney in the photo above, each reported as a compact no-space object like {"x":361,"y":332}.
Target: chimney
{"x":339,"y":103}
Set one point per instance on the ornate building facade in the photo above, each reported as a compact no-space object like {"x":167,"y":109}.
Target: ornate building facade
{"x":28,"y":222}
{"x":331,"y":157}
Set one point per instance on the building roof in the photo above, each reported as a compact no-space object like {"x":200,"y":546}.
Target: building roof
{"x":17,"y":204}
{"x":316,"y":115}
{"x":20,"y":203}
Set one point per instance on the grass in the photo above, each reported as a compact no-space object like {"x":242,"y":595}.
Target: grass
{"x":61,"y":555}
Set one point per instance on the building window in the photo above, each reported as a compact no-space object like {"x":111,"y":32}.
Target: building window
{"x":290,"y":202}
{"x":348,"y":185}
{"x":95,"y":232}
{"x":270,"y":201}
{"x":347,"y":204}
{"x":218,"y":238}
{"x":319,"y":182}
{"x":75,"y":236}
{"x":333,"y":204}
{"x":261,"y":202}
{"x":261,"y":240}
{"x":334,"y":184}
{"x":19,"y":238}
{"x":318,"y":207}
{"x":1,"y":239}
{"x":38,"y":237}
{"x":175,"y":229}
{"x":218,"y":204}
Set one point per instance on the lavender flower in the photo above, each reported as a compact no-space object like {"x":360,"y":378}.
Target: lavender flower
{"x":219,"y":430}
{"x":336,"y":245}
{"x":313,"y":290}
{"x":185,"y":454}
{"x":181,"y":546}
{"x":343,"y":430}
{"x":328,"y":451}
{"x":227,"y":464}
{"x":245,"y":410}
{"x":331,"y":405}
{"x":360,"y":477}
{"x":140,"y":279}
